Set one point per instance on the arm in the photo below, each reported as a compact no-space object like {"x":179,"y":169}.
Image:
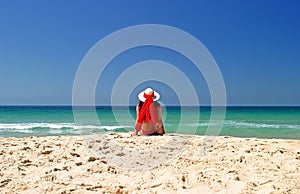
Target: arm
{"x":158,"y":108}
{"x":161,"y":125}
{"x":137,"y":111}
{"x":137,"y":116}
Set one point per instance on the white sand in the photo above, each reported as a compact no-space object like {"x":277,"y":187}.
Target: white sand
{"x":118,"y":163}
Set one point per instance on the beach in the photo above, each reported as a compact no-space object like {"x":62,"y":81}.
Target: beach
{"x":119,"y":163}
{"x":215,"y":85}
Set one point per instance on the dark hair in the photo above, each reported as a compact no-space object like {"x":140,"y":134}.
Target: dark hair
{"x":156,"y":104}
{"x":140,"y":105}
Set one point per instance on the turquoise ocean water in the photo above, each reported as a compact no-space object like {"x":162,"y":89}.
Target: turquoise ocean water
{"x":261,"y":122}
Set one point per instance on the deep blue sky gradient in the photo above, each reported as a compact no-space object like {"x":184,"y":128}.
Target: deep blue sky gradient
{"x":256,"y":44}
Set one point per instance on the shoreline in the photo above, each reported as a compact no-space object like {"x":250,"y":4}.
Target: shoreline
{"x":169,"y":134}
{"x":117,"y":162}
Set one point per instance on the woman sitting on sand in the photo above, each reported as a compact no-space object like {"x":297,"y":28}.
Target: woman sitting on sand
{"x":149,"y":121}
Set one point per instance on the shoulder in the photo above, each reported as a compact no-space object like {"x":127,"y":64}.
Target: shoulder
{"x":156,"y":104}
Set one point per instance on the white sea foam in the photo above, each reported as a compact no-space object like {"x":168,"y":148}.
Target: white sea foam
{"x":239,"y":124}
{"x":242,"y":124}
{"x":32,"y":126}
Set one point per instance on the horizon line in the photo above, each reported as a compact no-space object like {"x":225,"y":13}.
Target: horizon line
{"x":207,"y":105}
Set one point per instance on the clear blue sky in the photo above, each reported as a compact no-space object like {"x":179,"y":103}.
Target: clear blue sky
{"x":256,"y":44}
